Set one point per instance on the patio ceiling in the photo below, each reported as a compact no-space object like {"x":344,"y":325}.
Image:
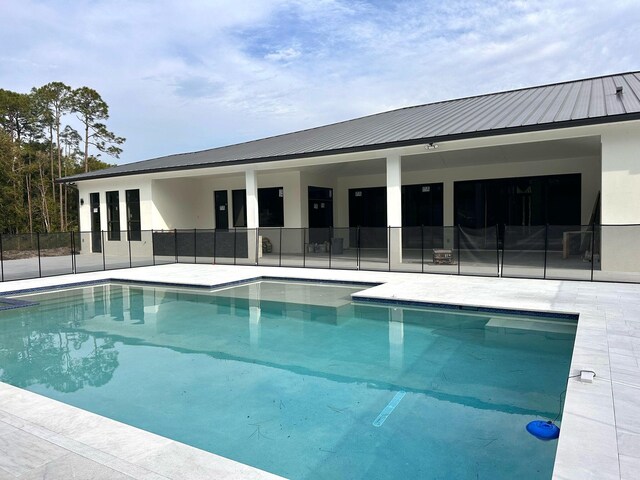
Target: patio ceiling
{"x":581,"y":147}
{"x":520,"y":152}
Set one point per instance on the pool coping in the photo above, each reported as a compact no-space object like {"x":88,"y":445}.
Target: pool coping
{"x":265,"y":278}
{"x":597,"y":439}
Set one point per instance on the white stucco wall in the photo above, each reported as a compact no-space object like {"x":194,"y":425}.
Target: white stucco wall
{"x":621,"y":174}
{"x":176,"y":202}
{"x":204,"y":187}
{"x":620,"y":197}
{"x":119,"y":184}
{"x":290,"y":181}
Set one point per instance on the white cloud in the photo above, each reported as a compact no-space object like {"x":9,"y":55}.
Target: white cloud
{"x":283,"y":54}
{"x":192,"y":75}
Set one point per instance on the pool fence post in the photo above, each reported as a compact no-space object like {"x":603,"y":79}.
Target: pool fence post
{"x":504,"y":242}
{"x":330,"y":245}
{"x":195,"y":245}
{"x":73,"y":253}
{"x":104,"y":260}
{"x":153,"y":249}
{"x":304,"y":250}
{"x":422,"y":248}
{"x":498,"y":273}
{"x":39,"y":262}
{"x":593,"y":246}
{"x":256,"y":232}
{"x":235,"y":243}
{"x":280,"y":249}
{"x":215,"y":234}
{"x":129,"y":245}
{"x":175,"y":244}
{"x":389,"y":247}
{"x":459,"y":230}
{"x":546,"y":248}
{"x":259,"y":251}
{"x":358,"y":247}
{"x":1,"y":259}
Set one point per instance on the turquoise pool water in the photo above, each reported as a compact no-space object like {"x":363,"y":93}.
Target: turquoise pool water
{"x":298,"y":380}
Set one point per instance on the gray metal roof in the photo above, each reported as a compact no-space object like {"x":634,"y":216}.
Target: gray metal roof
{"x":567,"y":104}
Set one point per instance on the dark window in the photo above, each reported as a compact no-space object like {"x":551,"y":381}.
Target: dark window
{"x":220,"y":206}
{"x":133,"y":214}
{"x":368,"y":212}
{"x":320,"y":193}
{"x":239,"y":198}
{"x":96,"y":232}
{"x":271,"y":207}
{"x":422,"y":205}
{"x":113,"y":215}
{"x":320,"y":208}
{"x":422,"y":215}
{"x":552,"y":200}
{"x":368,"y":207}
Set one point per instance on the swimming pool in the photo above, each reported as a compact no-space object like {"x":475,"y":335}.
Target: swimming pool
{"x":296,"y":379}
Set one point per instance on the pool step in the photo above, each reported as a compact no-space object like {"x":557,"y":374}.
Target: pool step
{"x":532,"y":324}
{"x":7,"y":303}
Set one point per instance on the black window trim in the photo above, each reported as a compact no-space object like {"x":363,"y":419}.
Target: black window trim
{"x":113,"y":210}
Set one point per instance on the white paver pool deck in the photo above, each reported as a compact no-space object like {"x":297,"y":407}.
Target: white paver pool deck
{"x":600,"y":434}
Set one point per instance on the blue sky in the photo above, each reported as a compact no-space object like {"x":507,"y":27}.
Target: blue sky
{"x":188,"y":75}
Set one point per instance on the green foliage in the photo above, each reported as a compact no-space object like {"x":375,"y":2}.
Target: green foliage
{"x":15,"y":114}
{"x":38,"y":146}
{"x":9,"y":198}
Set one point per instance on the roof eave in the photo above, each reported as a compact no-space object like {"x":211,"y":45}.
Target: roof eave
{"x":370,"y":147}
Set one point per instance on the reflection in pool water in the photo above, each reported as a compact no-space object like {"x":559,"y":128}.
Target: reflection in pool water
{"x":293,"y":378}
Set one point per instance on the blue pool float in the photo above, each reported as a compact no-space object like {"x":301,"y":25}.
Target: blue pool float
{"x":543,"y":430}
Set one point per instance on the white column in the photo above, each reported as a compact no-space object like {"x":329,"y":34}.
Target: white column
{"x":251,"y":187}
{"x":449,"y":215}
{"x":448,"y":197}
{"x":394,"y":207}
{"x":620,"y":197}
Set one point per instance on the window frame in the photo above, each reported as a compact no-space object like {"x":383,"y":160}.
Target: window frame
{"x":113,"y":215}
{"x":239,"y":205}
{"x":134,"y":224}
{"x":271,"y":207}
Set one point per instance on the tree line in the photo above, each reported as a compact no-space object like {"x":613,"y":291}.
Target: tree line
{"x":38,"y":145}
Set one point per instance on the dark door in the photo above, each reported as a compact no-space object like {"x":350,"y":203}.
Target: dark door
{"x":320,"y":214}
{"x":368,"y":211}
{"x":422,"y":216}
{"x":221,"y":205}
{"x":96,"y":234}
{"x":368,"y":207}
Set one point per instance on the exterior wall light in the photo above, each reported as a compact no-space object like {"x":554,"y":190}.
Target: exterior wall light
{"x":431,"y":146}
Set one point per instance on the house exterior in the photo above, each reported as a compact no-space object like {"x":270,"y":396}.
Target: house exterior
{"x":565,"y":155}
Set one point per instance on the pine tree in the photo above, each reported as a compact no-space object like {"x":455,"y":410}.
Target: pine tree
{"x":91,"y":110}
